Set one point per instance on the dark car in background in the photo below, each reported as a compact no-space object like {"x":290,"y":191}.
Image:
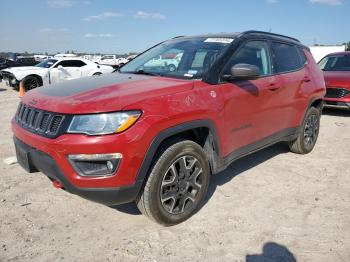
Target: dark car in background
{"x":15,"y":61}
{"x":336,"y":70}
{"x":21,"y":61}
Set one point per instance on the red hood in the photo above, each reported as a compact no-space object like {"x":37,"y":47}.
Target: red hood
{"x":105,"y":93}
{"x":337,"y":78}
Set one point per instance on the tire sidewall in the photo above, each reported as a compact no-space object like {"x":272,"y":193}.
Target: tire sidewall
{"x":160,"y":169}
{"x":172,"y":68}
{"x":29,"y":78}
{"x":310,"y":112}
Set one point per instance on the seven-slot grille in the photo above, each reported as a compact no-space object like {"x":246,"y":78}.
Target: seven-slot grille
{"x":38,"y":121}
{"x":333,"y":92}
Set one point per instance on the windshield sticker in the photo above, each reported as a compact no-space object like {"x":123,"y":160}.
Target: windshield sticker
{"x":219,"y":40}
{"x":191,"y":73}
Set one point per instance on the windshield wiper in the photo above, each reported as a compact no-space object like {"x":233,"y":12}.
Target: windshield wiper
{"x":142,"y":72}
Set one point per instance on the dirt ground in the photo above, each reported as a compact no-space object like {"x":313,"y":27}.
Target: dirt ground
{"x":270,"y":206}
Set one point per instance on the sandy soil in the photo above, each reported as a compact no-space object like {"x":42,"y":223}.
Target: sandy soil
{"x":267,"y":206}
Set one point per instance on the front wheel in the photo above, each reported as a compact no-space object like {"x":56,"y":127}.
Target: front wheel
{"x":307,"y":138}
{"x":171,"y":68}
{"x":31,"y":82}
{"x":177,"y":184}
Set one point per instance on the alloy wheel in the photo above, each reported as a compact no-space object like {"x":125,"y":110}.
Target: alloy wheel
{"x":311,"y":131}
{"x":31,"y":83}
{"x":181,"y":185}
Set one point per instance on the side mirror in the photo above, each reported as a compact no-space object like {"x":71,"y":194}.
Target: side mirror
{"x":243,"y":72}
{"x":60,"y":67}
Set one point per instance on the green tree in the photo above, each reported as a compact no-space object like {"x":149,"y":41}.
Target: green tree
{"x":347,"y":46}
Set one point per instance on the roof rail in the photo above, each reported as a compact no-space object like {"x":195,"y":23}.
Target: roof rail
{"x":268,"y":33}
{"x":177,"y":36}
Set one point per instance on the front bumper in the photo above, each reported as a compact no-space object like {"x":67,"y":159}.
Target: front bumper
{"x":337,"y":103}
{"x":40,"y":161}
{"x":51,"y":156}
{"x":337,"y":97}
{"x":9,"y":79}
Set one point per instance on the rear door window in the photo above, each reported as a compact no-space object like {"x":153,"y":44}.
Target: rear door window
{"x":286,"y":58}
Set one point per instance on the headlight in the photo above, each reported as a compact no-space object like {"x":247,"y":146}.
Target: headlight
{"x":103,"y":124}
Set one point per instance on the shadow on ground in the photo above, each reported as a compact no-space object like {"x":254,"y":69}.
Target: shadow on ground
{"x":129,"y":208}
{"x":336,"y":112}
{"x":232,"y":171}
{"x":244,"y":164}
{"x":272,"y":252}
{"x":2,"y":89}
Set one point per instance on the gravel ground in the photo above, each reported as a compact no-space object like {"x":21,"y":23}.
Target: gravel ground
{"x":269,"y":206}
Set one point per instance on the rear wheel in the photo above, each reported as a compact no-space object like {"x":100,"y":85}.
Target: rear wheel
{"x":307,"y":138}
{"x":177,"y":184}
{"x":97,"y":74}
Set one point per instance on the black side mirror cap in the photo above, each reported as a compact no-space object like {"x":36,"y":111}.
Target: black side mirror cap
{"x":243,"y":72}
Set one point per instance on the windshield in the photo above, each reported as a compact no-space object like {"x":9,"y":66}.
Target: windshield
{"x":185,"y":58}
{"x":47,"y":63}
{"x":335,"y":63}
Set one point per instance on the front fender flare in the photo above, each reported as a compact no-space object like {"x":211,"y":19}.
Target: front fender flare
{"x":167,"y":133}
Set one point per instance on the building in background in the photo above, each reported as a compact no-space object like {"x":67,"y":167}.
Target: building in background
{"x":321,"y":51}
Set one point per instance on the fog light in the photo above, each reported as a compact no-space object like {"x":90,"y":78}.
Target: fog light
{"x":95,"y":164}
{"x":110,"y":165}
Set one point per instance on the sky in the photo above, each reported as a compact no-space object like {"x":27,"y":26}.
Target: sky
{"x":122,"y":26}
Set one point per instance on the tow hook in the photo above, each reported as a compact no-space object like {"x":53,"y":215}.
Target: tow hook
{"x":57,"y":184}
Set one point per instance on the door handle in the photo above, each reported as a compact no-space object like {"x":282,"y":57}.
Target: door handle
{"x":273,"y":87}
{"x":306,"y":79}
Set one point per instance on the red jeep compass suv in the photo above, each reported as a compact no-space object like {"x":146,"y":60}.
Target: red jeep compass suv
{"x":336,"y":70}
{"x":154,"y":135}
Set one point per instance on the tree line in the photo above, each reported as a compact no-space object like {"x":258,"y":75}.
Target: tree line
{"x":7,"y":54}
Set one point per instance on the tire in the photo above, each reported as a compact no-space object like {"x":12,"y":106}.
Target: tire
{"x":306,"y":140}
{"x":31,"y":82}
{"x":171,"y":68}
{"x":97,"y":74}
{"x":170,"y":195}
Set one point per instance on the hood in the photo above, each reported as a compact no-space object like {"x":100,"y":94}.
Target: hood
{"x":105,"y":93}
{"x":337,"y":78}
{"x":24,"y":68}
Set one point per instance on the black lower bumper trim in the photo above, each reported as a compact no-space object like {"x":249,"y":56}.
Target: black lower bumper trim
{"x":335,"y":104}
{"x":107,"y":196}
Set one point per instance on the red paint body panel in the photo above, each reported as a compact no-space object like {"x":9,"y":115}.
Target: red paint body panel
{"x":338,"y":79}
{"x":108,"y":98}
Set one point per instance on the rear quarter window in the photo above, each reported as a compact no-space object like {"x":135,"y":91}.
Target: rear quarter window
{"x":286,"y":58}
{"x":302,"y":56}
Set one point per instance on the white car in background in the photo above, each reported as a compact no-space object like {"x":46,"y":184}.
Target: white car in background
{"x":40,"y":58}
{"x":171,"y":63}
{"x":64,"y":55}
{"x":52,"y":71}
{"x":112,"y":60}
